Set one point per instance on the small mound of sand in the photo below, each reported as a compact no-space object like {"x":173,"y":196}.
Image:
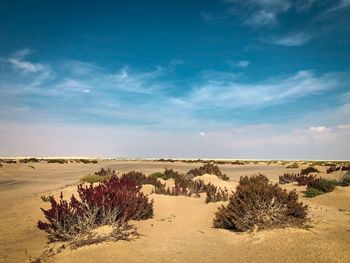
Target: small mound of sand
{"x":213,"y":179}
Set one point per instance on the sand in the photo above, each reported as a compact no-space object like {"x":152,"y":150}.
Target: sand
{"x":181,"y":229}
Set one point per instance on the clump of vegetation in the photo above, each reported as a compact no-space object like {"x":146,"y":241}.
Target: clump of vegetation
{"x":114,"y":202}
{"x":320,"y":186}
{"x":287,"y":178}
{"x":259,"y":203}
{"x":46,"y":199}
{"x":312,"y":192}
{"x":215,"y":194}
{"x":157,"y":175}
{"x":345,"y":181}
{"x":185,"y":186}
{"x":309,"y":170}
{"x":166,"y":160}
{"x":86,"y":161}
{"x":29,"y":160}
{"x":99,"y":176}
{"x":61,"y":161}
{"x":31,"y":166}
{"x":208,"y":168}
{"x":305,"y":179}
{"x":323,"y":185}
{"x":9,"y":161}
{"x":293,"y":166}
{"x":334,"y":168}
{"x":141,"y":179}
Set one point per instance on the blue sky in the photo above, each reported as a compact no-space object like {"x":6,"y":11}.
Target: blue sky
{"x":201,"y":79}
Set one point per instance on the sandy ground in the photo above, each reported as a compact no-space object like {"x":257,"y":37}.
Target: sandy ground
{"x":181,"y":229}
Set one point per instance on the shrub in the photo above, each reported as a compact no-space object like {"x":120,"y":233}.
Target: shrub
{"x":93,"y":178}
{"x":293,"y":166}
{"x":215,"y":194}
{"x":170,"y":173}
{"x":312,"y":192}
{"x":157,"y":175}
{"x":61,"y":161}
{"x":208,"y":168}
{"x":141,"y":179}
{"x":29,"y":160}
{"x":345,"y":181}
{"x":99,"y":176}
{"x":305,"y":179}
{"x":85,"y":161}
{"x":323,"y":185}
{"x":308,"y":170}
{"x":334,"y":168}
{"x":257,"y":202}
{"x":113,"y":202}
{"x":287,"y":178}
{"x":105,"y":172}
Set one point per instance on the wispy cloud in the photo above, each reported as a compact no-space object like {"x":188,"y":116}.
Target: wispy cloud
{"x":292,"y":39}
{"x":243,"y":63}
{"x":235,"y":94}
{"x":18,"y":61}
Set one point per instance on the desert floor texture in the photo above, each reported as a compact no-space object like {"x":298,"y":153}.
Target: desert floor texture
{"x":181,"y":229}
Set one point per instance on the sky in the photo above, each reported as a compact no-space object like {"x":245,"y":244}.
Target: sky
{"x":239,"y":79}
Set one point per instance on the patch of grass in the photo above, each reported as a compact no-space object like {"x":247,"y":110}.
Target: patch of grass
{"x":157,"y":175}
{"x":293,"y":166}
{"x":323,"y":185}
{"x":345,"y":181}
{"x":312,"y":192}
{"x":93,"y":178}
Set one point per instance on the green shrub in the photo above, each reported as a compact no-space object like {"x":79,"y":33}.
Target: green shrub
{"x":157,"y":175}
{"x":257,"y":202}
{"x":312,"y":192}
{"x":323,"y":185}
{"x":93,"y":178}
{"x":293,"y":166}
{"x":345,"y":181}
{"x":308,"y":170}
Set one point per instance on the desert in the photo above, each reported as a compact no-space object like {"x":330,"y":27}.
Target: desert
{"x":181,"y":228}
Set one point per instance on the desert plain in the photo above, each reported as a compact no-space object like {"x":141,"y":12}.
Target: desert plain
{"x":181,"y":229}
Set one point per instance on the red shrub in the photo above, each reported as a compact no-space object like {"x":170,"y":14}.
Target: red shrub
{"x":305,"y":179}
{"x":113,"y":202}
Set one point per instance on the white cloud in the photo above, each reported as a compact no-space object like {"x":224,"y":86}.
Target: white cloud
{"x":234,"y":94}
{"x":17,"y":60}
{"x":319,"y":129}
{"x":294,"y":39}
{"x":261,"y":18}
{"x":243,"y":63}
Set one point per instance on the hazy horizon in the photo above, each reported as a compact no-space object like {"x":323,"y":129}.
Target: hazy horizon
{"x":197,"y":79}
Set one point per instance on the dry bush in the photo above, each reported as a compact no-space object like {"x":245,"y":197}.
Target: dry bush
{"x":141,"y":179}
{"x":257,"y":202}
{"x":215,"y":194}
{"x":113,"y":202}
{"x":287,"y":178}
{"x":208,"y":168}
{"x":305,"y":179}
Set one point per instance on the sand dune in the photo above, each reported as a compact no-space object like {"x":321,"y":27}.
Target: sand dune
{"x":181,"y":229}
